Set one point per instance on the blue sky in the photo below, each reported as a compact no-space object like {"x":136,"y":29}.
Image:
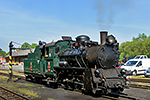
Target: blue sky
{"x":33,"y":20}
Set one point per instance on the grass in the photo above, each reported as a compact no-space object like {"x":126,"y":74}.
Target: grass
{"x":141,"y":77}
{"x":3,"y":78}
{"x":22,"y":88}
{"x":142,"y":83}
{"x":148,"y":90}
{"x":14,"y":72}
{"x":49,"y":99}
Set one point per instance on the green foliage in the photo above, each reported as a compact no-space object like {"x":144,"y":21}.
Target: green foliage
{"x":2,"y":53}
{"x":141,"y":37}
{"x":27,"y":45}
{"x":33,"y":45}
{"x":139,"y":46}
{"x":24,"y":45}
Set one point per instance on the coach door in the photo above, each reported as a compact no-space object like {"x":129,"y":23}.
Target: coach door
{"x":49,"y":54}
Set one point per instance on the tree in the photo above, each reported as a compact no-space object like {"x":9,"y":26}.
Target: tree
{"x":141,"y":37}
{"x":139,"y":46}
{"x":33,"y":45}
{"x":25,"y":45}
{"x":2,"y":53}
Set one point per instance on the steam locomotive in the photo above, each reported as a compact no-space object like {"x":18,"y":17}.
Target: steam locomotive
{"x":81,"y":64}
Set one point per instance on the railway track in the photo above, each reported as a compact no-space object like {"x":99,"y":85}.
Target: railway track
{"x":109,"y":96}
{"x":6,"y":94}
{"x":122,"y":96}
{"x":140,"y":80}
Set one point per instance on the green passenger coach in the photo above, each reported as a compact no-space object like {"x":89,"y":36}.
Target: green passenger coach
{"x":40,"y":63}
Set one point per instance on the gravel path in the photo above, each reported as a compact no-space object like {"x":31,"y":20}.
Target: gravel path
{"x":137,"y":92}
{"x":62,"y":94}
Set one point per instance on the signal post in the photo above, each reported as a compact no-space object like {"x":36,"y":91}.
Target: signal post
{"x":10,"y":61}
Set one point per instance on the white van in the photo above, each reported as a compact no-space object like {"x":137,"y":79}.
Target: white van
{"x":141,"y":57}
{"x":137,"y":66}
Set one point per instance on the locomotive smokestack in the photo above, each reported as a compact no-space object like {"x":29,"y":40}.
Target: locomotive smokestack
{"x":103,"y":35}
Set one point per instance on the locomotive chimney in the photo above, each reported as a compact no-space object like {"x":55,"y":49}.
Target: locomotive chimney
{"x":103,"y":35}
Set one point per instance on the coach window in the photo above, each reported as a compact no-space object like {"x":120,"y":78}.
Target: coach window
{"x":57,"y":49}
{"x":50,"y":52}
{"x":46,"y":52}
{"x":139,"y":64}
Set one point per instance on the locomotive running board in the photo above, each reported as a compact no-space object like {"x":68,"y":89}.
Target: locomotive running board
{"x":71,"y":68}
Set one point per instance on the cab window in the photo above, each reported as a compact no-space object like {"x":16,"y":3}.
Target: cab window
{"x":139,"y":64}
{"x":50,"y":52}
{"x":57,"y":49}
{"x":130,"y":63}
{"x":46,"y":52}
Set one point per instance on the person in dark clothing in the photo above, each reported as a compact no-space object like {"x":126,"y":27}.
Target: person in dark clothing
{"x":41,"y":43}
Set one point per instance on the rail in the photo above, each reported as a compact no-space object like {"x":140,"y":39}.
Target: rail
{"x":116,"y":96}
{"x":7,"y":94}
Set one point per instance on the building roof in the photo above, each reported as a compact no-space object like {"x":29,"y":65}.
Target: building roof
{"x":20,"y":53}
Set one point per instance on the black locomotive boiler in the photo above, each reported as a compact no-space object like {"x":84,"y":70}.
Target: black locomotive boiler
{"x":81,"y":64}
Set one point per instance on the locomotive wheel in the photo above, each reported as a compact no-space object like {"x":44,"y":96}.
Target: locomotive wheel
{"x":94,"y":91}
{"x":47,"y":83}
{"x":29,"y":78}
{"x":54,"y":85}
{"x":38,"y":80}
{"x":119,"y":90}
{"x":69,"y":85}
{"x":77,"y":86}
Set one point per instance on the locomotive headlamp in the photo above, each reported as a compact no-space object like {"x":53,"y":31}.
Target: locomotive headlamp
{"x":97,"y":72}
{"x":110,"y":39}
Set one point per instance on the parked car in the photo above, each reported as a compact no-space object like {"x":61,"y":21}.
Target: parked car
{"x":147,"y":72}
{"x":141,"y":57}
{"x":137,"y":66}
{"x":5,"y":64}
{"x":125,"y":59}
{"x":119,"y":65}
